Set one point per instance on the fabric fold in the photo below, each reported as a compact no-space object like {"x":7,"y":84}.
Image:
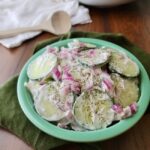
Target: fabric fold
{"x":27,"y":13}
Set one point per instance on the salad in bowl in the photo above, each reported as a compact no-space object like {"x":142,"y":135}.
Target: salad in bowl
{"x":84,"y":87}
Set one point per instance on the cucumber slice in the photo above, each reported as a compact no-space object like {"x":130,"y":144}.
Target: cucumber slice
{"x":48,"y":110}
{"x":127,"y":90}
{"x":88,"y":45}
{"x":92,"y":110}
{"x":122,"y":64}
{"x":79,"y":44}
{"x":78,"y":71}
{"x":50,"y":104}
{"x":94,"y":57}
{"x":34,"y":87}
{"x":41,"y":66}
{"x":85,"y":76}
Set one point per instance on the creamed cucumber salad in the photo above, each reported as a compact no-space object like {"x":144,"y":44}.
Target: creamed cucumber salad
{"x":83,"y":87}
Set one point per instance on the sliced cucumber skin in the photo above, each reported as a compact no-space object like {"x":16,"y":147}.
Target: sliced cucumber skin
{"x":127,"y":90}
{"x":122,"y":64}
{"x":93,"y":114}
{"x":41,"y":66}
{"x":101,"y":57}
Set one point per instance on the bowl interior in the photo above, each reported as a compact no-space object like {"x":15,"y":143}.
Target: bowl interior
{"x":27,"y":106}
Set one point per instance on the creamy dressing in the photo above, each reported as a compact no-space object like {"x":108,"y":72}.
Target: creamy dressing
{"x":73,"y":86}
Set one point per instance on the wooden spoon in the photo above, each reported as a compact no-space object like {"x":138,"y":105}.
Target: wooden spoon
{"x":58,"y":23}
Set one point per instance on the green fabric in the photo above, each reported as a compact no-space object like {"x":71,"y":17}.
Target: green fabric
{"x":11,"y":115}
{"x":13,"y":119}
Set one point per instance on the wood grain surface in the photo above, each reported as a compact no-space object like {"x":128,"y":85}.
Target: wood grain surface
{"x":133,"y":21}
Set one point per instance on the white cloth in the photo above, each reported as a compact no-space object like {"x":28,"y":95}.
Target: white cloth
{"x":26,"y":13}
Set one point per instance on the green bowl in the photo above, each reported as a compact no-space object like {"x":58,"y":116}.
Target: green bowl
{"x":27,"y":105}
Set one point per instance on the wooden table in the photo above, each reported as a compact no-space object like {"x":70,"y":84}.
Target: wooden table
{"x":134,"y":22}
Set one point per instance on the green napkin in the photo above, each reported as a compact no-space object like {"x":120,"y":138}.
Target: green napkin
{"x":11,"y":115}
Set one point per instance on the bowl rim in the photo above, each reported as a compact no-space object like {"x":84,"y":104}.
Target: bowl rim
{"x":27,"y":107}
{"x":105,"y":3}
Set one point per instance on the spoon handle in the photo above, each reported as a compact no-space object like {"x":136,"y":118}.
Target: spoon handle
{"x":13,"y":32}
{"x":58,"y":23}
